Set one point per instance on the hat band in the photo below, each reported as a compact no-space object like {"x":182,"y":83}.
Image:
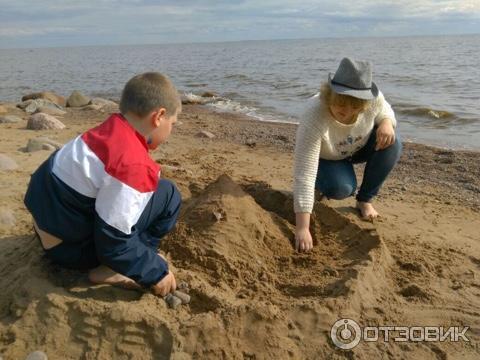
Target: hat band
{"x":350,"y":87}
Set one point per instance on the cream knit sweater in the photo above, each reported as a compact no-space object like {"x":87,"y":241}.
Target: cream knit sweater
{"x":320,"y":136}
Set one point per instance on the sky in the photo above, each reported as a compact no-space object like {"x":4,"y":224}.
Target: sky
{"x":33,"y":23}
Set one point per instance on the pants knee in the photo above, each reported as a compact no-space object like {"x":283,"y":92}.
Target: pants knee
{"x":340,"y":191}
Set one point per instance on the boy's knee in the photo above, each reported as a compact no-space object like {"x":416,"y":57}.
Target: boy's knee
{"x":340,"y":191}
{"x":168,"y":187}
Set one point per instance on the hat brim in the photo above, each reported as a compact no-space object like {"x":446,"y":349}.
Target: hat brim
{"x":369,"y":94}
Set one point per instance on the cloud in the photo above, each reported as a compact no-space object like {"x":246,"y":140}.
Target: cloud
{"x":73,"y":22}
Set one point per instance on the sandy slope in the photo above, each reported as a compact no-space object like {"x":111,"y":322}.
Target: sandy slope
{"x":253,"y":297}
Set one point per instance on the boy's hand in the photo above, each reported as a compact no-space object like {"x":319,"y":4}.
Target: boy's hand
{"x":303,"y":240}
{"x":385,"y":134}
{"x":165,"y":286}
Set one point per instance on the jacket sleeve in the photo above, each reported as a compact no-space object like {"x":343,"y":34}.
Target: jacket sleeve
{"x":128,"y":255}
{"x":383,"y":110}
{"x":307,"y":153}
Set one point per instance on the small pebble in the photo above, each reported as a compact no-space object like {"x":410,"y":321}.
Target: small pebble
{"x":185,"y":298}
{"x":172,"y":301}
{"x":37,"y":355}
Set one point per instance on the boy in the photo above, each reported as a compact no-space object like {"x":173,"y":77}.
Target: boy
{"x":99,"y":204}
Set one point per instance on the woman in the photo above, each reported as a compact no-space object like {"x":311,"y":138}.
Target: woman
{"x":349,"y":122}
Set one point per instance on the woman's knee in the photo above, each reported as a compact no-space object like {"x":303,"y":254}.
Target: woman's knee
{"x":339,"y":191}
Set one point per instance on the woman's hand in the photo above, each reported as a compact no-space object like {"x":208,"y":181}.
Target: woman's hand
{"x":303,"y":238}
{"x":385,"y":134}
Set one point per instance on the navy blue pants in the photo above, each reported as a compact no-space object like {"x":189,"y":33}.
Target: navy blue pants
{"x":336,"y":178}
{"x":158,"y":218}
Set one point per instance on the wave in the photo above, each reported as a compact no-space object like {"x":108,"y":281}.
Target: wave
{"x":425,"y":112}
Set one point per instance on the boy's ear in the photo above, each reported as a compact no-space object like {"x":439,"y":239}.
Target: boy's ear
{"x":157,"y":116}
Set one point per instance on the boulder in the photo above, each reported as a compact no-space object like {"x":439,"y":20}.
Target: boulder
{"x":205,"y":134}
{"x":50,"y":111}
{"x":94,"y":107}
{"x":3,"y":109}
{"x":41,"y":121}
{"x":77,"y":99}
{"x":7,"y":163}
{"x":42,"y":143}
{"x":103,"y":102}
{"x":47,"y":95}
{"x":10,"y":119}
{"x":31,"y":106}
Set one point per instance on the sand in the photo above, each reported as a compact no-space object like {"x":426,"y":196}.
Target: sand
{"x":252,"y":295}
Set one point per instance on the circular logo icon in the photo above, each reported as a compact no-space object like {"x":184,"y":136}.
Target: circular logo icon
{"x":346,"y":334}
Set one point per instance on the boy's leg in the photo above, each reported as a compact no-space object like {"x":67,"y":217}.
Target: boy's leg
{"x":336,"y":179}
{"x":160,"y":214}
{"x":379,"y":165}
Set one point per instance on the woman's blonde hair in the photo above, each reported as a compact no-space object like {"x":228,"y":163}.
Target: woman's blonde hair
{"x":330,"y":97}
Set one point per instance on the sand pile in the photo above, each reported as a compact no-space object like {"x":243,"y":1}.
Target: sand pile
{"x":250,"y":292}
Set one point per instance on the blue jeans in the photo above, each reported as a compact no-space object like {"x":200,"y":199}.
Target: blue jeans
{"x":336,"y":178}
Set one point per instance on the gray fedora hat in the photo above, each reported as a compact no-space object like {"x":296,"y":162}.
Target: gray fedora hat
{"x":354,"y":78}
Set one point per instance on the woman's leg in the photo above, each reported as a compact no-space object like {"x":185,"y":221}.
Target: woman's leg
{"x":378,"y":166}
{"x":336,"y":179}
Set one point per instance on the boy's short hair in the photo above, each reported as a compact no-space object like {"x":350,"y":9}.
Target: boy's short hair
{"x":148,"y":92}
{"x":330,"y":97}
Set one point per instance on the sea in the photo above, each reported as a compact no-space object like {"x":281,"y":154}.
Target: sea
{"x":432,"y":83}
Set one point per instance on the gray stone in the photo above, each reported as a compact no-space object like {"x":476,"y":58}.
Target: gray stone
{"x":37,"y":355}
{"x":185,"y":298}
{"x":103,"y":102}
{"x":41,"y":121}
{"x":77,"y":99}
{"x":47,"y":95}
{"x":50,"y":111}
{"x":173,"y":301}
{"x":10,"y":119}
{"x":7,"y":163}
{"x":94,"y":107}
{"x":7,"y":219}
{"x":205,"y":134}
{"x":42,"y":143}
{"x":31,"y":106}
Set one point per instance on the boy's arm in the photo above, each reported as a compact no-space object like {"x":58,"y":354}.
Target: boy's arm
{"x":128,"y":255}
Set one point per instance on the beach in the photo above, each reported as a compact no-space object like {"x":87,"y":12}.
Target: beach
{"x":252,"y":295}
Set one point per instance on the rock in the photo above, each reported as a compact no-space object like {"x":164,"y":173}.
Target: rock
{"x":10,"y":119}
{"x":3,"y":109}
{"x":173,"y":301}
{"x":41,"y":121}
{"x":192,"y":99}
{"x":37,"y":355}
{"x":209,"y":94}
{"x":50,"y":111}
{"x":42,"y":143}
{"x":7,"y":219}
{"x":185,"y":298}
{"x":205,"y":134}
{"x":251,"y":143}
{"x":31,"y":106}
{"x":49,"y":147}
{"x":77,"y":99}
{"x":94,"y":107}
{"x":103,"y":102}
{"x":47,"y":95}
{"x":7,"y":163}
